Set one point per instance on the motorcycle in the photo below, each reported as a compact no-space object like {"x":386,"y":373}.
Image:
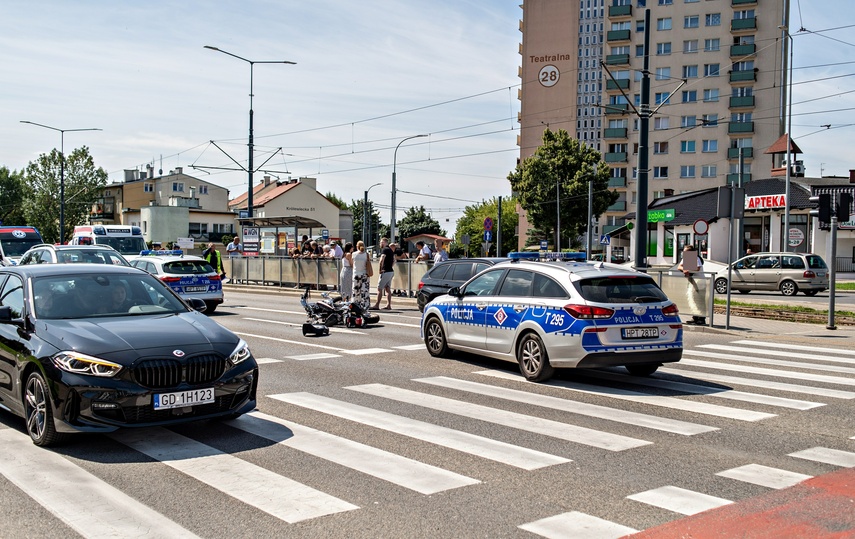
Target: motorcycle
{"x":331,"y":311}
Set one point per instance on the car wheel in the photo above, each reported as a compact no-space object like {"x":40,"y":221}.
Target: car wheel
{"x":642,"y":369}
{"x":721,"y":286}
{"x":533,"y":359}
{"x":210,"y":307}
{"x":811,"y":292}
{"x":789,"y":288}
{"x":435,"y":341}
{"x":38,"y":411}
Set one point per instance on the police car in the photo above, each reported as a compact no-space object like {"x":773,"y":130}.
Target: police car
{"x":189,"y":276}
{"x":559,"y":314}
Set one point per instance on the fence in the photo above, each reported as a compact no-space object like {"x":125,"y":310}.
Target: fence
{"x":693,"y":296}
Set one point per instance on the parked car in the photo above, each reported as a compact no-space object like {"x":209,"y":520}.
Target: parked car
{"x":547,"y":315}
{"x":93,"y":348}
{"x":189,"y":276}
{"x":445,"y":276}
{"x":46,"y":253}
{"x":790,"y":273}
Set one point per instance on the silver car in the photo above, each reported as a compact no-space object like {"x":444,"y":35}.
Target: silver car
{"x":790,"y":273}
{"x":188,"y":276}
{"x":547,"y":315}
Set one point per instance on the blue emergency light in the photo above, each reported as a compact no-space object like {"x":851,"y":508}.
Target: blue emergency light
{"x":150,"y":252}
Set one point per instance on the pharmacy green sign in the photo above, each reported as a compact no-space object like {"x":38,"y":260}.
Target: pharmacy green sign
{"x":654,"y":216}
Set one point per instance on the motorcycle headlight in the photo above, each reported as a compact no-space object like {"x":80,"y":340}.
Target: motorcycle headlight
{"x":77,"y":363}
{"x":240,"y":353}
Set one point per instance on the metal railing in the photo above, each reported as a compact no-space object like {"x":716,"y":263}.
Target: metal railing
{"x":693,"y":296}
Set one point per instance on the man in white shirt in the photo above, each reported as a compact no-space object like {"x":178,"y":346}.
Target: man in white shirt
{"x":337,"y":250}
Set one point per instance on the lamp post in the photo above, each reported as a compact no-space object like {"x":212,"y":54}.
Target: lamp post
{"x":62,"y":133}
{"x":394,"y":189}
{"x":365,"y":227}
{"x":249,"y":167}
{"x":786,"y":234}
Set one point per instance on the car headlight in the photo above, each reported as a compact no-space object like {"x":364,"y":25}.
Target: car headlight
{"x":77,"y":363}
{"x":240,"y":353}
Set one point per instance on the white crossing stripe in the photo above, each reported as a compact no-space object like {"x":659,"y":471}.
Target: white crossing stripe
{"x":263,"y":360}
{"x":767,"y":384}
{"x":272,"y":493}
{"x":87,"y":504}
{"x":309,"y":357}
{"x":679,"y":500}
{"x":411,"y":347}
{"x":769,"y":372}
{"x":708,"y":391}
{"x":408,"y":473}
{"x":592,"y":410}
{"x":775,"y":362}
{"x":576,"y":525}
{"x":546,"y":427}
{"x":366,"y":351}
{"x":313,"y":345}
{"x":835,"y":457}
{"x":645,"y":398}
{"x":779,"y":353}
{"x":791,"y":346}
{"x":765,"y":476}
{"x":519,"y":457}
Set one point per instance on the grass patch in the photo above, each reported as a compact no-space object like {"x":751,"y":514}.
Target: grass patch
{"x":787,"y":308}
{"x":844,"y":286}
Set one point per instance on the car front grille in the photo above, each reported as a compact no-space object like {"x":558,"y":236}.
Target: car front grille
{"x":166,"y":373}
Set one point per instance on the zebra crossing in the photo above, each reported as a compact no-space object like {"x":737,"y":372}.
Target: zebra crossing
{"x":686,"y":393}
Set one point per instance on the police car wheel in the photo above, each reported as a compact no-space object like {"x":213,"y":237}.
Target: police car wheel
{"x":533,"y":359}
{"x":642,"y":369}
{"x":435,"y":341}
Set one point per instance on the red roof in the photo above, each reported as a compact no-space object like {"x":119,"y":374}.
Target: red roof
{"x":261,"y":194}
{"x":431,"y":236}
{"x":780,"y":146}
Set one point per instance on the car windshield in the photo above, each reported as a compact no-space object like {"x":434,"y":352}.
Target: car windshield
{"x":130,"y":245}
{"x":622,"y":289}
{"x":187,"y":267}
{"x":90,"y":256}
{"x":87,"y":295}
{"x":17,"y":247}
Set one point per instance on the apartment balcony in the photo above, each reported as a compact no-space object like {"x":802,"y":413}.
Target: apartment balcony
{"x":740,"y":127}
{"x":745,"y":101}
{"x":615,"y":108}
{"x":742,"y":2}
{"x":733,"y":153}
{"x":738,"y":25}
{"x":617,"y":182}
{"x":620,"y":205}
{"x":744,"y":76}
{"x":615,"y":157}
{"x":620,"y":11}
{"x":617,"y":35}
{"x":614,"y":132}
{"x":617,"y":59}
{"x":742,"y":50}
{"x":618,"y":84}
{"x":733,"y":178}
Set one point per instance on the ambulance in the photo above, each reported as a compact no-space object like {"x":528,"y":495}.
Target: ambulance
{"x":15,"y":241}
{"x":128,"y":240}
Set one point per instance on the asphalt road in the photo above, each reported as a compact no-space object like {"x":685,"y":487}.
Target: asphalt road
{"x":362,"y":434}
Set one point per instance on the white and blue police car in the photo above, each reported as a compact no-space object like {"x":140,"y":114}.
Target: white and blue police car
{"x":188,"y":276}
{"x":558,"y":314}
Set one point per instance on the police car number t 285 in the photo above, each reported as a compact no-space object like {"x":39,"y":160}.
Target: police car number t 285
{"x":547,"y":315}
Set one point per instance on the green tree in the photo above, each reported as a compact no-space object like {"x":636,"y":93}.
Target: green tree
{"x":418,"y":221}
{"x":42,"y":191}
{"x":564,"y":165}
{"x":342,"y":205}
{"x":11,"y":197}
{"x":472,"y":223}
{"x":374,"y":225}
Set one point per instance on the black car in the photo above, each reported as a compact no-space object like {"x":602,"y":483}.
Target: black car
{"x":446,"y":275}
{"x":94,"y":347}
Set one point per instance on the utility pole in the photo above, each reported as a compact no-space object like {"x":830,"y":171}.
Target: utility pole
{"x":499,"y":229}
{"x":640,"y":262}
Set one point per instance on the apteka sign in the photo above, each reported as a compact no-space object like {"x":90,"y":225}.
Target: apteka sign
{"x":765,"y":202}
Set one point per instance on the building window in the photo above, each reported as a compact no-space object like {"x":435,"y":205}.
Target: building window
{"x":711,"y":94}
{"x":688,"y":121}
{"x":690,"y":46}
{"x":687,"y":146}
{"x":660,"y":147}
{"x":690,"y":96}
{"x":661,"y":122}
{"x":661,"y":97}
{"x":148,"y":188}
{"x":747,"y":65}
{"x":663,"y":73}
{"x":690,"y":72}
{"x":639,"y":26}
{"x":198,"y":229}
{"x":203,"y":189}
{"x":177,"y":187}
{"x":660,"y":172}
{"x":639,"y":51}
{"x":713,"y":19}
{"x":711,"y":70}
{"x":743,"y":14}
{"x":710,"y":120}
{"x":692,"y":21}
{"x":663,"y":24}
{"x":663,"y":48}
{"x":712,"y":45}
{"x":742,"y":91}
{"x":666,"y":2}
{"x":708,"y":171}
{"x":741,"y":117}
{"x":710,"y":146}
{"x":687,"y":171}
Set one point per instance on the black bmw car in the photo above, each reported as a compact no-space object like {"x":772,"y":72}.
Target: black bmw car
{"x":94,"y":347}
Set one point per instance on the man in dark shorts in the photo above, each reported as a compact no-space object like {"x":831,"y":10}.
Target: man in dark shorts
{"x":387,"y":271}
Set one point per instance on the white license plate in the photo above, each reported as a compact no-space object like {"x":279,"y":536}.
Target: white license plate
{"x":195,"y":288}
{"x":180,"y":399}
{"x":640,"y":333}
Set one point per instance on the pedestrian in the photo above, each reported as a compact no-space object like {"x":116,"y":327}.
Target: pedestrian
{"x":215,"y":259}
{"x":362,"y":272}
{"x":387,"y":271}
{"x":690,"y":264}
{"x":424,"y":252}
{"x":306,"y":247}
{"x":338,"y":252}
{"x":346,"y":275}
{"x":314,"y":250}
{"x":441,"y":254}
{"x":234,"y":248}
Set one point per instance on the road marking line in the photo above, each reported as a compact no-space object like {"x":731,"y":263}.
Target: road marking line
{"x":263,"y":360}
{"x":775,"y":362}
{"x":769,"y":372}
{"x":778,"y":353}
{"x":289,"y":341}
{"x":765,"y":476}
{"x":519,"y":457}
{"x":419,"y":346}
{"x":576,"y":525}
{"x":87,"y":504}
{"x":844,"y":459}
{"x":333,"y":329}
{"x":309,"y":357}
{"x":708,"y":391}
{"x":537,"y":425}
{"x":645,"y":398}
{"x":259,"y":487}
{"x":382,"y":322}
{"x":767,"y":384}
{"x":679,"y":500}
{"x":366,"y":351}
{"x":574,"y":407}
{"x":790,"y":346}
{"x":408,"y":473}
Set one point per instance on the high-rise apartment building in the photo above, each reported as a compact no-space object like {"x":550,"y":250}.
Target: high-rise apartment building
{"x":730,"y":53}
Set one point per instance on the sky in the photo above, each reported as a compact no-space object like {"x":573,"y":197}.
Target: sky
{"x":367,"y":76}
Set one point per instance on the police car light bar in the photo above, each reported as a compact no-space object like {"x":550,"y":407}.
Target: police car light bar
{"x":531,"y":255}
{"x":149,"y":252}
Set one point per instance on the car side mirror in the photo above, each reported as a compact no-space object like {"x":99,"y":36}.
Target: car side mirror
{"x":6,"y":317}
{"x":455,"y":291}
{"x":197,"y":304}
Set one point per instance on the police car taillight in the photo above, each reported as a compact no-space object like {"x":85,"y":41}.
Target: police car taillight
{"x":670,"y":310}
{"x":214,"y":278}
{"x":588,"y":312}
{"x":166,"y":279}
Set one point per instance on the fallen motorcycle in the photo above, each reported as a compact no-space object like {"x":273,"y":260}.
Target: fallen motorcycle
{"x":331,"y":311}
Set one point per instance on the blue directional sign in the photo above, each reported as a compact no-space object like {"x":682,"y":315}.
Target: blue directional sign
{"x":488,"y":235}
{"x":544,"y":245}
{"x":326,"y":234}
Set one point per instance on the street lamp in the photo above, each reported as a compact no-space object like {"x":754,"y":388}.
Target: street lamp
{"x":61,"y":171}
{"x":365,"y":227}
{"x":249,"y":168}
{"x":786,"y":234}
{"x":394,"y":189}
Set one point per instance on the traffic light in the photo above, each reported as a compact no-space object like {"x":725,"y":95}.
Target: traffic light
{"x":844,"y":202}
{"x":824,"y":209}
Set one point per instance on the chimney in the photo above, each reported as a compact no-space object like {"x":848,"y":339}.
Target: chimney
{"x":851,"y":175}
{"x":266,"y":181}
{"x":178,"y":170}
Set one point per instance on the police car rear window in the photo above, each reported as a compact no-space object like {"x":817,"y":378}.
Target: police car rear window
{"x":620,"y":290}
{"x":187,"y":267}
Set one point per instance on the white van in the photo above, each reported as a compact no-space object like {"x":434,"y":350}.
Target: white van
{"x":128,"y":240}
{"x":15,"y":241}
